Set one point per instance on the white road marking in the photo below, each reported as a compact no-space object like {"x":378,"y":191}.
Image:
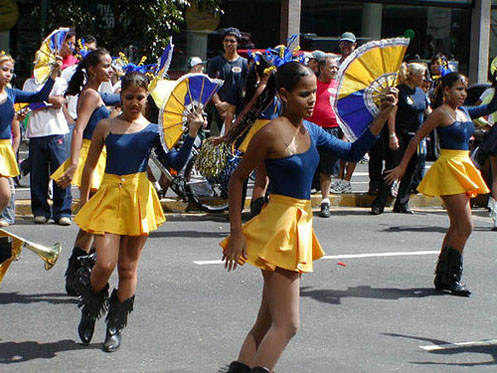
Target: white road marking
{"x":207,"y":262}
{"x":379,"y":255}
{"x":448,"y":346}
{"x":349,"y":256}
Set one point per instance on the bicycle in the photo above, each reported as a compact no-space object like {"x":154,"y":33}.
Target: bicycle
{"x":190,"y":185}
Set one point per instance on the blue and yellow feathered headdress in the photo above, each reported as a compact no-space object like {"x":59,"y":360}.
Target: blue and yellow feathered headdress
{"x":279,"y":55}
{"x":83,"y":50}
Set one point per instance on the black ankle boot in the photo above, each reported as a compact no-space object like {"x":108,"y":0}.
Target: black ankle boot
{"x":117,"y":319}
{"x":256,"y":206}
{"x":93,"y":306}
{"x":259,"y":370}
{"x":441,"y":268}
{"x":452,"y":279}
{"x":235,"y":367}
{"x":78,"y":270}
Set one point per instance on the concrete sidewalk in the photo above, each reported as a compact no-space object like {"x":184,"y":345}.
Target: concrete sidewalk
{"x":177,"y":205}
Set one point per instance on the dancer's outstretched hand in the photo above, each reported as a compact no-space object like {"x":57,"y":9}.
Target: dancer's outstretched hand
{"x":389,"y":99}
{"x":195,"y":122}
{"x":236,"y":251}
{"x":216,"y":140}
{"x":394,"y":174}
{"x":65,"y":180}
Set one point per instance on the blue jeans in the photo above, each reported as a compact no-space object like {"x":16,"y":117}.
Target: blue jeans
{"x":9,"y":213}
{"x":46,"y":154}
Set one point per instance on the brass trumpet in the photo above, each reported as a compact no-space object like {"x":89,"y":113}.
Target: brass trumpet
{"x":12,"y":245}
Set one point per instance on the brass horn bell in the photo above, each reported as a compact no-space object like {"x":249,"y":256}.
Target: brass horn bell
{"x":11,"y":246}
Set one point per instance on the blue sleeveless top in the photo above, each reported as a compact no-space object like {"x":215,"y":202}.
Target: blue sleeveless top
{"x":128,"y":153}
{"x":109,"y":99}
{"x":16,"y":95}
{"x":100,"y":113}
{"x":292,"y":176}
{"x":457,"y":135}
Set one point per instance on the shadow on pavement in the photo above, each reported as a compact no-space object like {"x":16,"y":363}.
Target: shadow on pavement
{"x":335,"y":296}
{"x":53,"y":298}
{"x":490,"y":349}
{"x":344,"y":212}
{"x":414,"y":228}
{"x":425,"y":228}
{"x":19,"y":352}
{"x":196,"y":216}
{"x":191,"y":234}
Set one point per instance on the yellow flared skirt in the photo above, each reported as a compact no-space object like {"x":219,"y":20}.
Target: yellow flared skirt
{"x":453,"y":173}
{"x":8,"y":162}
{"x":83,"y":154}
{"x":126,"y":205}
{"x":282,"y":236}
{"x":258,"y":124}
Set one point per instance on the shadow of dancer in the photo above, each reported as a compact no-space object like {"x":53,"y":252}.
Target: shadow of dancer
{"x":52,"y":298}
{"x":452,"y":349}
{"x":19,"y":352}
{"x":335,"y":296}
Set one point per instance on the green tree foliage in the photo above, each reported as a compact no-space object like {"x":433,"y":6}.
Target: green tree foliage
{"x":119,"y":24}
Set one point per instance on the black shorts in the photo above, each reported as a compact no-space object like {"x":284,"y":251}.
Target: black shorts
{"x":327,"y":159}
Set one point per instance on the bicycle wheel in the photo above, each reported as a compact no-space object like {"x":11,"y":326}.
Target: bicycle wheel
{"x":209,"y":196}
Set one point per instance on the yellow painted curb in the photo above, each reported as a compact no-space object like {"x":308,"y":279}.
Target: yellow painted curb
{"x":172,"y":205}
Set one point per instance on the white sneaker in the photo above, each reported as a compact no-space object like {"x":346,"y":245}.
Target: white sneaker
{"x":40,"y":219}
{"x":65,"y":221}
{"x":343,"y":186}
{"x":365,"y":158}
{"x":336,"y":187}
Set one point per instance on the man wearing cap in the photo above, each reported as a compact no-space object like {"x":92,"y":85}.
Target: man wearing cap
{"x":314,"y":58}
{"x":230,"y":67}
{"x":347,"y":44}
{"x":195,"y":65}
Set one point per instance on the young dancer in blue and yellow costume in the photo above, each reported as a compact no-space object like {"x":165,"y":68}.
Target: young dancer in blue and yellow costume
{"x":255,"y":87}
{"x":91,"y":109}
{"x":280,"y":240}
{"x":125,"y":209}
{"x":9,"y":96}
{"x":453,"y":176}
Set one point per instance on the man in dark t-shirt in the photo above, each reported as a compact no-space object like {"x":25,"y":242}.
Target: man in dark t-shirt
{"x":231,"y":68}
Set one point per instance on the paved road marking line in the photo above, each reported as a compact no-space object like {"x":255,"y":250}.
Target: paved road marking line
{"x":379,"y":255}
{"x":350,"y":256}
{"x":483,"y":342}
{"x":207,"y":262}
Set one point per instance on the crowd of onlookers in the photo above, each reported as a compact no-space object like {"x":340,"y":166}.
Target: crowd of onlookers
{"x":49,"y":129}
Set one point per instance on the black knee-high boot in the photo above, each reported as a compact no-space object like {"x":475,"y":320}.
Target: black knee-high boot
{"x":235,"y":367}
{"x":117,"y":319}
{"x":441,"y":268}
{"x":78,"y":269}
{"x":93,"y":306}
{"x":452,"y":279}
